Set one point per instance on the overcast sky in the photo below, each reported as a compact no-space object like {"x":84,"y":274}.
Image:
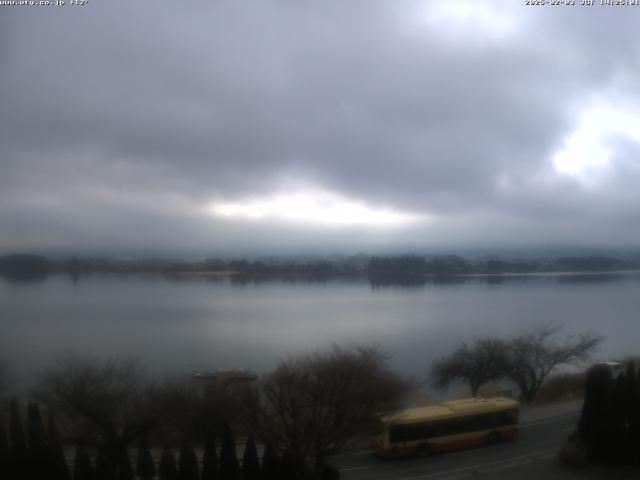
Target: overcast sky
{"x":298,"y":126}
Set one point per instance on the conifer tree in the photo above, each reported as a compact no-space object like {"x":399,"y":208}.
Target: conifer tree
{"x":229,"y":467}
{"x":145,"y":467}
{"x":617,"y":425}
{"x":82,"y":468}
{"x":125,"y":472}
{"x":630,"y":389}
{"x":634,"y":448}
{"x":250,"y":461}
{"x":187,"y":463}
{"x":330,"y":472}
{"x":168,"y":470}
{"x":287,"y":466}
{"x":38,"y":458}
{"x":18,"y":452}
{"x":103,"y":471}
{"x":57,"y":461}
{"x":210,"y":459}
{"x":592,"y":426}
{"x":4,"y":454}
{"x":270,"y":464}
{"x":630,"y":401}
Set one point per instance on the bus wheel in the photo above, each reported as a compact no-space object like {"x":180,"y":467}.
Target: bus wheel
{"x":493,"y":438}
{"x":423,"y":450}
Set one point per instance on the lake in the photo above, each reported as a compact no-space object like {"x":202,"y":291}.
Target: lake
{"x":183,"y":325}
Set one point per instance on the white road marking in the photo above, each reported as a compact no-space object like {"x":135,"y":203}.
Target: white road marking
{"x":355,"y":468}
{"x":353,"y":454}
{"x":548,"y":457}
{"x":457,"y":477}
{"x":506,"y":466}
{"x":549,"y":420}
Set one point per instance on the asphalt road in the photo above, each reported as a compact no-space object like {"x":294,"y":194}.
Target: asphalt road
{"x":536,"y":446}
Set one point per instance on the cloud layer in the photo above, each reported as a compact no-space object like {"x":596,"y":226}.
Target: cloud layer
{"x":124,"y":122}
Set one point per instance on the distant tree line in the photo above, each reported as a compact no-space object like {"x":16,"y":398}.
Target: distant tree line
{"x":526,"y":360}
{"x":29,"y":267}
{"x":456,"y":265}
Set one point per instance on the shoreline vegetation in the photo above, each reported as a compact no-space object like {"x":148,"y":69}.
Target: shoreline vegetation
{"x":393,"y":269}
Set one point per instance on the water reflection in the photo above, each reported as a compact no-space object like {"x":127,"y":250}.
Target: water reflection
{"x":592,"y":278}
{"x":177,"y":324}
{"x":24,"y":277}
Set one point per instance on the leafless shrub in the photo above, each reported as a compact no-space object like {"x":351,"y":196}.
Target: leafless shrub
{"x":483,"y":361}
{"x":536,"y":353}
{"x":317,"y":404}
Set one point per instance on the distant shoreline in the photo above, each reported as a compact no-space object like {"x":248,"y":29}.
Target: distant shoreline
{"x":208,"y":273}
{"x":405,"y":268}
{"x":231,"y":273}
{"x":542,"y":274}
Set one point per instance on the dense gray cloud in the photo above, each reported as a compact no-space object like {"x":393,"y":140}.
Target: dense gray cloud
{"x":122,"y":121}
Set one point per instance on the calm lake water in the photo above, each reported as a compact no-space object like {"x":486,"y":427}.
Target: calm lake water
{"x":194,"y":324}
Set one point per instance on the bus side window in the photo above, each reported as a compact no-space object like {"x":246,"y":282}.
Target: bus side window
{"x":458,"y":425}
{"x":437,"y":429}
{"x":508,"y":417}
{"x":488,"y":421}
{"x":416,"y":431}
{"x":397,"y":434}
{"x":427,"y":430}
{"x":420,"y":431}
{"x":477,"y":422}
{"x":511,"y":417}
{"x":412,"y":432}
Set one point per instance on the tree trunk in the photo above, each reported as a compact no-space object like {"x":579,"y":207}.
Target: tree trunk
{"x":475,"y":386}
{"x":528,"y":395}
{"x":319,"y":461}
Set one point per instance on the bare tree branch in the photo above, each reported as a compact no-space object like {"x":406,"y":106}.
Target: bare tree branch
{"x":108,"y":402}
{"x":534,"y":354}
{"x":316,"y":404}
{"x":477,"y":364}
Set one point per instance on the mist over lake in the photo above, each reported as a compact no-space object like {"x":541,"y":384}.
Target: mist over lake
{"x":181,"y":326}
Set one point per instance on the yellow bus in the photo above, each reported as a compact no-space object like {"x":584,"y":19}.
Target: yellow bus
{"x":448,"y":426}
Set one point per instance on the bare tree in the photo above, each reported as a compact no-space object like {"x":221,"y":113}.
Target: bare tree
{"x":315,"y":405}
{"x":477,"y":364}
{"x":533,"y":355}
{"x":107,"y":401}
